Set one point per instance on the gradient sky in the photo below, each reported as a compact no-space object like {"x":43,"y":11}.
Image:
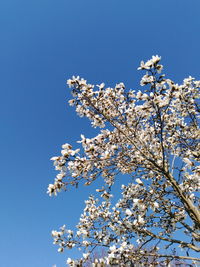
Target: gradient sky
{"x":42,"y":44}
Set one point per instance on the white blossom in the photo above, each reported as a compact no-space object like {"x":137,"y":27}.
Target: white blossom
{"x":147,"y":140}
{"x":128,"y":212}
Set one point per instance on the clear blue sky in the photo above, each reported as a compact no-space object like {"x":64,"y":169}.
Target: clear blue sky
{"x":42,"y":44}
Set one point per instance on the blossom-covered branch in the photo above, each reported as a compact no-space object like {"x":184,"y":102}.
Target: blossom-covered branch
{"x":152,"y":136}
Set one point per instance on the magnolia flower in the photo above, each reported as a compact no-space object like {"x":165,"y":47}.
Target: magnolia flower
{"x":128,"y":212}
{"x":140,"y":220}
{"x":66,"y":146}
{"x":69,"y":261}
{"x":139,"y":181}
{"x":61,"y":249}
{"x":147,"y":65}
{"x":86,"y":255}
{"x":146,"y":79}
{"x":188,"y":162}
{"x":113,"y":248}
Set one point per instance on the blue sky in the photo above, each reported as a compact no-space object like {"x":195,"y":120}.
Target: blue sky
{"x":43,"y":43}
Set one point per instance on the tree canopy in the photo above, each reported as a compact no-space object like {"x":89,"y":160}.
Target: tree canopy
{"x":152,"y":136}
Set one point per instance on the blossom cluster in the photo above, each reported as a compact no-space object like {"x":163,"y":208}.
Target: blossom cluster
{"x":152,"y":136}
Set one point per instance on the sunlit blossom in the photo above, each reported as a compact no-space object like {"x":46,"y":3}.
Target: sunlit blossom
{"x":152,"y":136}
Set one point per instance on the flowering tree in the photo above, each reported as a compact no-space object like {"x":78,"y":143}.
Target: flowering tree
{"x":152,"y":137}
